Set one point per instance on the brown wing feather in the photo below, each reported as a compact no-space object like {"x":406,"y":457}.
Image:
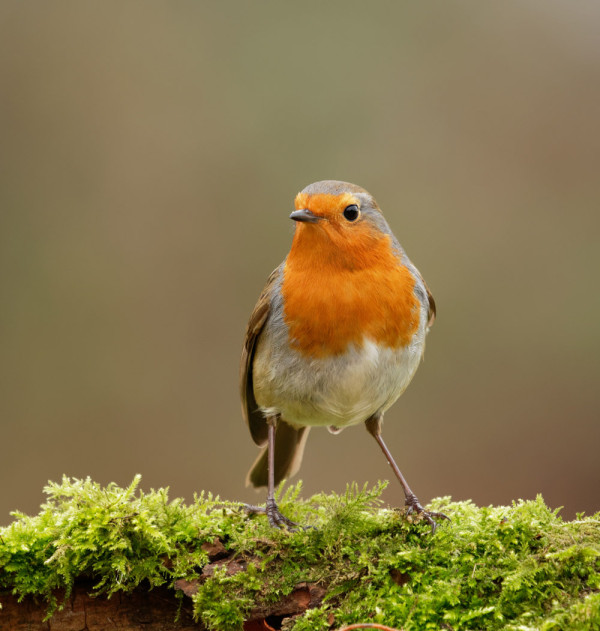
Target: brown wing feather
{"x":253,"y":417}
{"x":432,"y":311}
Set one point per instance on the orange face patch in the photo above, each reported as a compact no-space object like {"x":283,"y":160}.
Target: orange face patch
{"x":342,"y":284}
{"x":325,"y":204}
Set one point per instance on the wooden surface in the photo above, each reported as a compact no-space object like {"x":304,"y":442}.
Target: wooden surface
{"x":153,"y":610}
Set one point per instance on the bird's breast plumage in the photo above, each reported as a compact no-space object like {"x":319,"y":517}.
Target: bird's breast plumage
{"x":334,"y":299}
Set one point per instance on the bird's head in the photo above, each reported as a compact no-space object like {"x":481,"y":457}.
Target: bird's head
{"x":338,"y":220}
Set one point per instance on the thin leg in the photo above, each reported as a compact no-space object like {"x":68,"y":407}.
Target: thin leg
{"x":373,"y":425}
{"x":276,"y":518}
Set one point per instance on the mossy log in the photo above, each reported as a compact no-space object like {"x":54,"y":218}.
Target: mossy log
{"x":110,"y":558}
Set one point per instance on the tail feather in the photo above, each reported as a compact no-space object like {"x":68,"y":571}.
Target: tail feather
{"x":289,"y":449}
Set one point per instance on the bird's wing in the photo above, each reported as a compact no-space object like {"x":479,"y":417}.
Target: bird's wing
{"x":432,"y":312}
{"x":252,"y":415}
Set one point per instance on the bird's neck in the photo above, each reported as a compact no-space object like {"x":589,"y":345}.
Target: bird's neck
{"x":318,"y":250}
{"x":335,"y":298}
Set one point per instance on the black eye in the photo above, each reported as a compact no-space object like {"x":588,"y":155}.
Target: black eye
{"x":351,"y":212}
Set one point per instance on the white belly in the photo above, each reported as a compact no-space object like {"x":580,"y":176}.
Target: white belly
{"x":338,"y":391}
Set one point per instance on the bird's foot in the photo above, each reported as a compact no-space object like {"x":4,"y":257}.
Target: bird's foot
{"x":276,"y":518}
{"x":414,"y":506}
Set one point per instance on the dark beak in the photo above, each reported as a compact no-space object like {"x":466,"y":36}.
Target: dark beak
{"x":305,"y":215}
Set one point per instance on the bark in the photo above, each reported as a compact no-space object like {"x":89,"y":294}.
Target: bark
{"x":147,"y":610}
{"x":142,"y":609}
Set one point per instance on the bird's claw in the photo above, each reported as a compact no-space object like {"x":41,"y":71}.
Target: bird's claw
{"x":276,"y":518}
{"x":414,"y":506}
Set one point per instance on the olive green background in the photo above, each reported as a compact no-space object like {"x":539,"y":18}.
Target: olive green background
{"x":150,"y":153}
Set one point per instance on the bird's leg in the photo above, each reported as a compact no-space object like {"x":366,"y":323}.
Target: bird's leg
{"x":276,"y":518}
{"x":274,"y":515}
{"x":373,"y":425}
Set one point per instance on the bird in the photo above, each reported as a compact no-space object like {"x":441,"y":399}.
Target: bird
{"x":335,"y":338}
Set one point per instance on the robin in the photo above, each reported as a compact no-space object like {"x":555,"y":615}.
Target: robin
{"x":336,"y":335}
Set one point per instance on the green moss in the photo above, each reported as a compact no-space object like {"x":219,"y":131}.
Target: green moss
{"x":516,"y":567}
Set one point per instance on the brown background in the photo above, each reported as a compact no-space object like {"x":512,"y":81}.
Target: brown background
{"x":150,"y":154}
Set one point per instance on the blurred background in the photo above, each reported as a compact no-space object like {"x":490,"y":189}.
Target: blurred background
{"x":150,"y":154}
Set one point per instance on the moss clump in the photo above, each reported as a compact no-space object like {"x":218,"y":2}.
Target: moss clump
{"x":517,"y":567}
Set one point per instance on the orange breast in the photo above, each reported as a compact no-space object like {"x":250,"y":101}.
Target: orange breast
{"x":337,"y":289}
